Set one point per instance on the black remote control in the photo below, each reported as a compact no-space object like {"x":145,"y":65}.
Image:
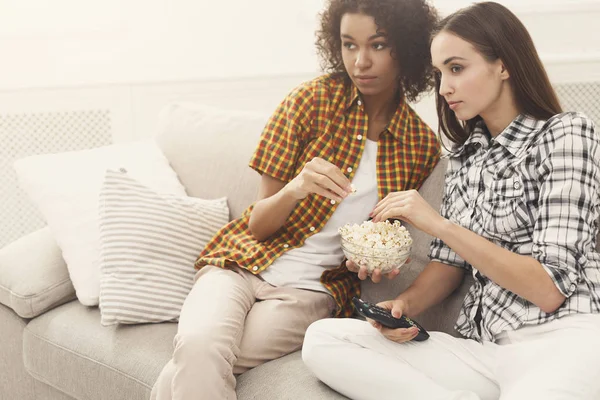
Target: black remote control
{"x":385,"y":318}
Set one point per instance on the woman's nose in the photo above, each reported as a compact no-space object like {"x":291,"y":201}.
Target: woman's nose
{"x":362,"y":60}
{"x":445,"y":87}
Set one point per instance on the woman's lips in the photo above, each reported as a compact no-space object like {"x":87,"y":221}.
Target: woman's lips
{"x":365,"y":79}
{"x":454,"y":104}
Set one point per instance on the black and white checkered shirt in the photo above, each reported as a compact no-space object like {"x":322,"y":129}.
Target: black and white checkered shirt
{"x":534,"y":190}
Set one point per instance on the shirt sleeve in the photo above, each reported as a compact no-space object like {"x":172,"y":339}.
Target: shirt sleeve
{"x":569,"y":172}
{"x":278,"y":149}
{"x":438,"y":250}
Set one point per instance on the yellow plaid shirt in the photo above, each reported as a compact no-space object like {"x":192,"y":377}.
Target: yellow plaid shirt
{"x":323,"y":118}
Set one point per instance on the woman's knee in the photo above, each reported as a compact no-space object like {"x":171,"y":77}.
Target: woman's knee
{"x":162,"y":387}
{"x":319,"y":330}
{"x":321,"y":334}
{"x":317,"y":334}
{"x":202,"y":345}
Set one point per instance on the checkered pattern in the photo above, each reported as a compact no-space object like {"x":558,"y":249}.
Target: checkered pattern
{"x":27,"y":134}
{"x":323,"y":118}
{"x":533,"y":190}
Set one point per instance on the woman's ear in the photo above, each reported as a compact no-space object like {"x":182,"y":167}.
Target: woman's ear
{"x":503,"y":71}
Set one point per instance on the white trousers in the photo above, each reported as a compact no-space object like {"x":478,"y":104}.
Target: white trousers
{"x":556,"y":360}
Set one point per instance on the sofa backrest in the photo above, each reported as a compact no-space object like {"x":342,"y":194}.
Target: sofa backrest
{"x":210,"y":148}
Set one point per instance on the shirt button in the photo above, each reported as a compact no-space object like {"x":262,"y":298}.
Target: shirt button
{"x":255,"y":268}
{"x":359,"y":103}
{"x":349,"y":169}
{"x":312,"y":228}
{"x":285,"y":246}
{"x":359,"y":137}
{"x":517,"y":185}
{"x":332,"y":201}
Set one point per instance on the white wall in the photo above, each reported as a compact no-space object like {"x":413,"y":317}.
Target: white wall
{"x":82,"y":42}
{"x":137,"y":55}
{"x":89,"y":42}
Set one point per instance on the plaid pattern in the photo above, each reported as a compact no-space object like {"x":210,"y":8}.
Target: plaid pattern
{"x":323,"y":118}
{"x":533,"y":190}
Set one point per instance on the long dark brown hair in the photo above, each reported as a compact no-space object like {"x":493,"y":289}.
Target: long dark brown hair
{"x":496,"y":33}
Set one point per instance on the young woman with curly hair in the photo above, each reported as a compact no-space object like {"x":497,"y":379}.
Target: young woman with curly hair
{"x":520,"y":214}
{"x":265,"y":277}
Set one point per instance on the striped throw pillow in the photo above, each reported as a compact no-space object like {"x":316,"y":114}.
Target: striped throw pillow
{"x":148,"y":245}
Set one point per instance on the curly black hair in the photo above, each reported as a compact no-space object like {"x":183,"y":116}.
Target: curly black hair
{"x":408,"y":25}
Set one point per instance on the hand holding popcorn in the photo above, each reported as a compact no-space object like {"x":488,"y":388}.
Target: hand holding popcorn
{"x":409,"y":206}
{"x":320,"y":177}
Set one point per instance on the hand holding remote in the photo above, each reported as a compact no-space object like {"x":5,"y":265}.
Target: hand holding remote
{"x":388,"y":319}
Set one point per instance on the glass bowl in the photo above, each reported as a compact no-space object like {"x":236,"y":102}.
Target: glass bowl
{"x":386,"y":259}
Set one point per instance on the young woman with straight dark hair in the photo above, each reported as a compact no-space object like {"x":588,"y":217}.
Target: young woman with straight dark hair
{"x":520,"y":214}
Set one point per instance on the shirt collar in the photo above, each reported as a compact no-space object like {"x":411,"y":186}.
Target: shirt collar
{"x":353,"y":96}
{"x":514,"y":137}
{"x":397,"y":125}
{"x":478,"y":138}
{"x":519,"y":133}
{"x":399,"y":121}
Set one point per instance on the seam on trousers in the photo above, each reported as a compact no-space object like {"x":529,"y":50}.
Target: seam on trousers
{"x":241,"y":334}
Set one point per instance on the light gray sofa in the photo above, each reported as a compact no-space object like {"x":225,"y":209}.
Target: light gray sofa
{"x":54,"y":348}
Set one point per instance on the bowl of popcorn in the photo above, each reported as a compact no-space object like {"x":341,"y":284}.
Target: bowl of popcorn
{"x":384,"y":245}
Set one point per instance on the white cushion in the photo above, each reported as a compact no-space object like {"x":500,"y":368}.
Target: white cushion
{"x":210,"y":148}
{"x":33,"y":275}
{"x":149,"y":243}
{"x":65,"y":188}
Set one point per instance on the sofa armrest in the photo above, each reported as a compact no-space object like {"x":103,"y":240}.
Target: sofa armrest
{"x":33,"y":275}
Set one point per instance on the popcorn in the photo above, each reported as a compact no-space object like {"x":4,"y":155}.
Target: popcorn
{"x":353,"y":188}
{"x":382,"y":245}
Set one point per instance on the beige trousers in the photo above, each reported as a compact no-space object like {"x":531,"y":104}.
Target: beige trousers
{"x":230,"y":322}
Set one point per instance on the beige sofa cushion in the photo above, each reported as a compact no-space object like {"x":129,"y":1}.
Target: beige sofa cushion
{"x":210,"y":148}
{"x":33,"y":275}
{"x":68,"y":349}
{"x":122,"y":362}
{"x":286,"y":378}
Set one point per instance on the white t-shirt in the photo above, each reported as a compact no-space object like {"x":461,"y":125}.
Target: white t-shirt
{"x":302,"y":267}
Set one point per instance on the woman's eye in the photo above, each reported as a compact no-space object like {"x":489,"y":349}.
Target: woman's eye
{"x":349,"y":46}
{"x":379,"y":46}
{"x":455,"y":69}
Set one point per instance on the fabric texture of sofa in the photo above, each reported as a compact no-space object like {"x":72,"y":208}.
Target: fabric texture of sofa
{"x":54,"y":348}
